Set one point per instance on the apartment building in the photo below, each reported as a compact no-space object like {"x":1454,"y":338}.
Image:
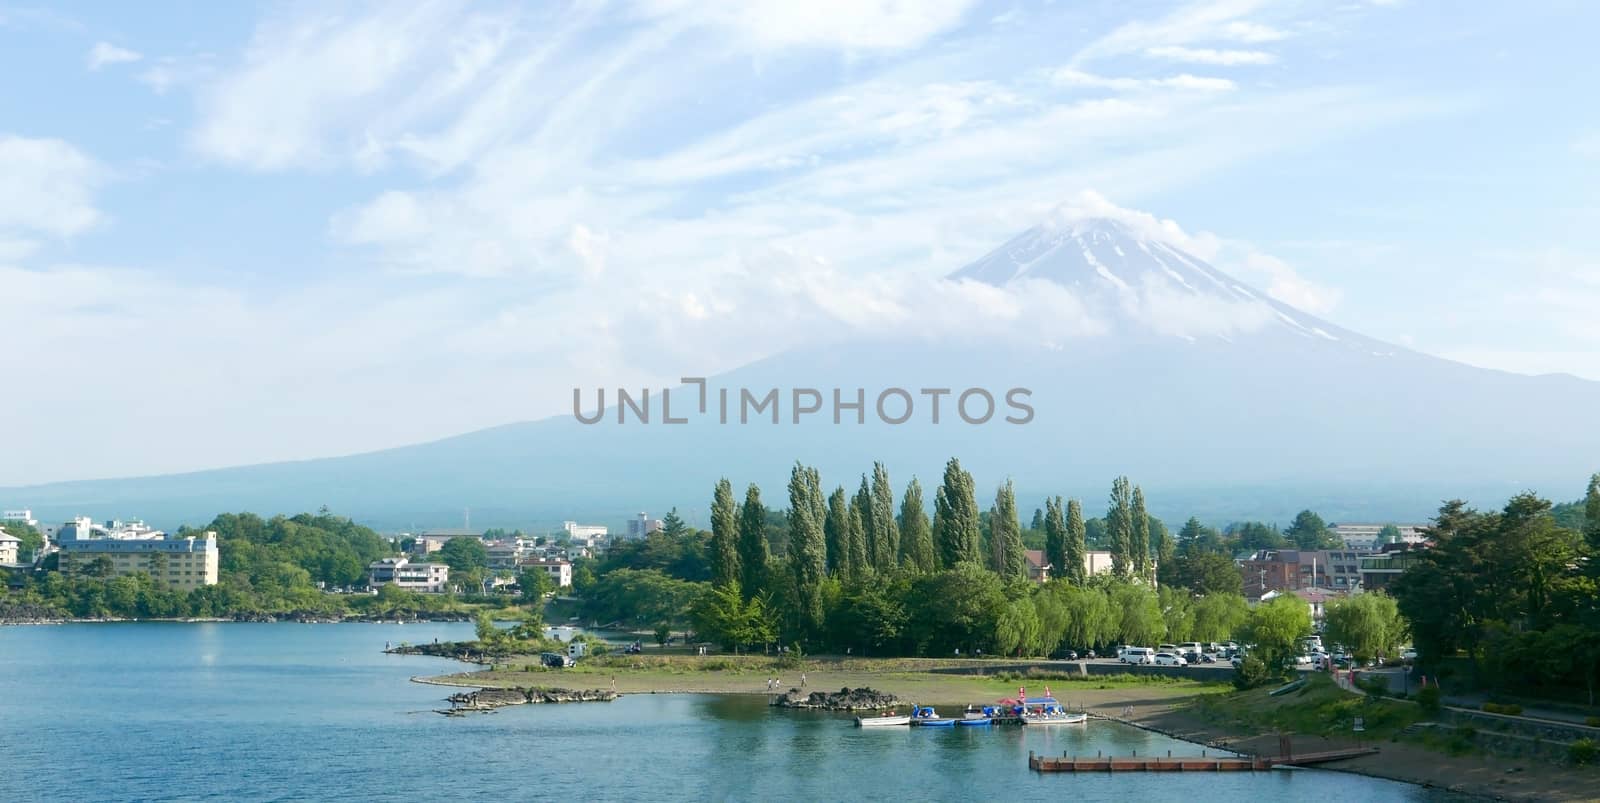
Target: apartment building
{"x":560,"y":571}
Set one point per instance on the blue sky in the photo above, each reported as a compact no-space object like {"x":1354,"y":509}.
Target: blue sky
{"x":232,"y":233}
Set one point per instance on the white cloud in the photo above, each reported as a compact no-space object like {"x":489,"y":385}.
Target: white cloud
{"x":48,"y":190}
{"x":104,"y":53}
{"x":1204,"y":21}
{"x":1203,"y":55}
{"x":1068,"y":76}
{"x":844,"y":24}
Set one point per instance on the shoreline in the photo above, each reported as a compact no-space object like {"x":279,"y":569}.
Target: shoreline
{"x":243,"y":619}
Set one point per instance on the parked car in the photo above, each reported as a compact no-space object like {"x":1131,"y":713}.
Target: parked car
{"x":1065,"y":655}
{"x":1408,"y":654}
{"x":1236,"y":660}
{"x":556,"y":660}
{"x":1137,"y":655}
{"x":1169,"y":659}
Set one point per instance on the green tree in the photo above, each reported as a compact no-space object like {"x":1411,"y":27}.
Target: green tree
{"x":1055,"y":540}
{"x":672,"y":525}
{"x":1177,"y":612}
{"x":725,"y":569}
{"x":1390,"y":534}
{"x":1310,"y":532}
{"x":1139,"y":541}
{"x":1591,"y":518}
{"x":885,"y":531}
{"x":1119,"y":529}
{"x":1077,"y":548}
{"x":808,"y":549}
{"x":1005,"y":536}
{"x":1369,"y":625}
{"x":916,"y":534}
{"x":535,"y":584}
{"x":464,"y":554}
{"x":856,"y":539}
{"x":1219,"y":616}
{"x":954,"y":609}
{"x":1017,"y":627}
{"x":1206,"y":573}
{"x":955,"y":520}
{"x":1161,"y":544}
{"x":1275,"y":628}
{"x":753,"y":554}
{"x":31,"y":539}
{"x":1138,"y":613}
{"x":1090,"y":620}
{"x":836,"y":530}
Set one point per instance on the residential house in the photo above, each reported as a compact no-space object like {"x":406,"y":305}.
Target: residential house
{"x":10,"y":548}
{"x":560,"y":571}
{"x":430,"y":578}
{"x":1294,"y":569}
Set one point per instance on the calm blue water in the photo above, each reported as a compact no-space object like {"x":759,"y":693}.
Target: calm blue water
{"x":315,"y":712}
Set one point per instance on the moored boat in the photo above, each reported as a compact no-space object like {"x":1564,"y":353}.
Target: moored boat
{"x":1046,"y":710}
{"x":925,"y":716}
{"x":975,"y":717}
{"x":883,"y":720}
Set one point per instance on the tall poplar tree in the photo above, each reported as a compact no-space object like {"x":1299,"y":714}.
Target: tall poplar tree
{"x":1119,"y":528}
{"x":1591,"y":518}
{"x":863,"y":504}
{"x":837,"y":532}
{"x":1005,"y":535}
{"x":916,"y":534}
{"x":808,"y":547}
{"x":856,"y":540}
{"x":753,"y":551}
{"x":1077,"y":542}
{"x":956,"y":528}
{"x":887,"y":531}
{"x":1055,"y":539}
{"x":1139,"y":544}
{"x":724,"y":536}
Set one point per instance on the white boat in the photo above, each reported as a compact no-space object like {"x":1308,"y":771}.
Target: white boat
{"x":883,"y":720}
{"x":1046,"y":710}
{"x":1056,"y":718}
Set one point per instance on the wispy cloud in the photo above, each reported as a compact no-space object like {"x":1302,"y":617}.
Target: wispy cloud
{"x":1067,"y":76}
{"x":105,"y":53}
{"x":1203,"y":55}
{"x":1205,"y":21}
{"x":49,"y":190}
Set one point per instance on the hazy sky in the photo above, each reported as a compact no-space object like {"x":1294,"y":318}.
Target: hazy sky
{"x":236,"y":232}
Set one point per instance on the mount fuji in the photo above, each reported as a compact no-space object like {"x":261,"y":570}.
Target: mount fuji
{"x":1220,"y":400}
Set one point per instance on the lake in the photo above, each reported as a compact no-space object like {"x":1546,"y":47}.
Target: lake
{"x":169,"y":711}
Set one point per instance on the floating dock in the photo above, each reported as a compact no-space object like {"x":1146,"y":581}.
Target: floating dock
{"x":1200,"y":763}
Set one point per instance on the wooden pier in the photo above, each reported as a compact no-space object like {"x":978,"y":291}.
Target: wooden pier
{"x":1200,"y":763}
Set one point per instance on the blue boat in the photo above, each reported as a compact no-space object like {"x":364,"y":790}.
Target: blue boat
{"x":924,"y":716}
{"x":975,"y":717}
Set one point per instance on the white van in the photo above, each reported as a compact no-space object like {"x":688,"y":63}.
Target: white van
{"x":1191,"y":646}
{"x":1137,"y":656}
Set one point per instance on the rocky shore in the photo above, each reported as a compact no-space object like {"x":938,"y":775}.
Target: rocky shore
{"x":490,"y":699}
{"x":846,"y":699}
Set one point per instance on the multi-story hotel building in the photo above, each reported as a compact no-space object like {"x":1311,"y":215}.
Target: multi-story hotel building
{"x":183,"y":563}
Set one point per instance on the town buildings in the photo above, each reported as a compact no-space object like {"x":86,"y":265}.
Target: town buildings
{"x":1293,"y":569}
{"x":1365,"y":537}
{"x":587,"y":535}
{"x":186,"y":562}
{"x":560,"y":571}
{"x":1380,"y":569}
{"x":430,"y":578}
{"x":642,"y":526}
{"x":1094,"y":562}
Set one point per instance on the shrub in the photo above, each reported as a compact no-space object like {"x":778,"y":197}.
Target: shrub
{"x":1250,"y":674}
{"x":1461,"y":741}
{"x":1428,"y":699}
{"x":1374,"y":687}
{"x":1583,"y":751}
{"x":1593,"y":722}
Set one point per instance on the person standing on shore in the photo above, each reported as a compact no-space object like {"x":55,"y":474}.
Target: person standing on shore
{"x":802,"y":680}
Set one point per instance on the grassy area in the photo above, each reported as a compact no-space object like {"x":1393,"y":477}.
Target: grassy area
{"x":1318,"y":708}
{"x":907,"y":678}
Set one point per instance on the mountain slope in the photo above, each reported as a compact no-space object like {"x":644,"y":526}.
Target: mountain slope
{"x":1218,"y":399}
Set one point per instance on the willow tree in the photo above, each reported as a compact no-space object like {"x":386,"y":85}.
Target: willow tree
{"x":724,"y":536}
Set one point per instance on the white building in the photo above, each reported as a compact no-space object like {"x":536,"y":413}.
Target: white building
{"x":1364,"y":537}
{"x":560,"y":571}
{"x":643,"y":525}
{"x":427,"y":577}
{"x":10,"y":547}
{"x":84,"y":528}
{"x":19,"y":516}
{"x":586,"y":535}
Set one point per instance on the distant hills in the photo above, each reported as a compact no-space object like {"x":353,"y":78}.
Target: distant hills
{"x":1221,"y":401}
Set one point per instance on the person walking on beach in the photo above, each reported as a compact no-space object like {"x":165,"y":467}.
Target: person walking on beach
{"x":613,"y":684}
{"x":802,"y":680}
